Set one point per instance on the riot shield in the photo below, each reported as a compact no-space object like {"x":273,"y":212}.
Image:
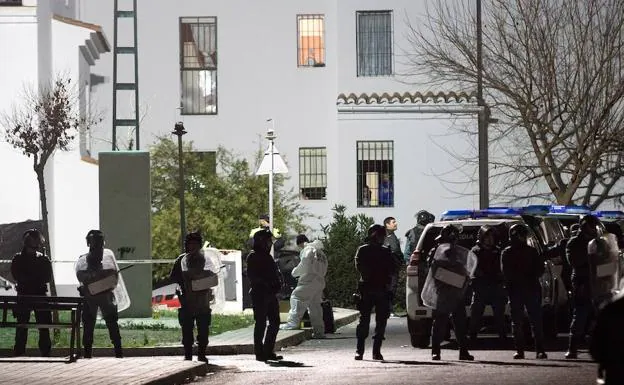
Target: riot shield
{"x":447,"y":279}
{"x":218,"y":291}
{"x":603,"y":255}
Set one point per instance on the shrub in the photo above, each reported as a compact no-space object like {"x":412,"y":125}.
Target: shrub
{"x":342,"y":237}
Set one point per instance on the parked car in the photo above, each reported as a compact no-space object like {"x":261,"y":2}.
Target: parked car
{"x":419,"y":317}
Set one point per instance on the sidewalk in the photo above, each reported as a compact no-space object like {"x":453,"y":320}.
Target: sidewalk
{"x":155,"y":365}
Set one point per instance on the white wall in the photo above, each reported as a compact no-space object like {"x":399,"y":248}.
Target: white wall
{"x":19,"y":196}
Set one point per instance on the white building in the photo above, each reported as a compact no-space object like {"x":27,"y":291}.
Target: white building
{"x":327,"y":72}
{"x":40,"y":41}
{"x":314,"y":67}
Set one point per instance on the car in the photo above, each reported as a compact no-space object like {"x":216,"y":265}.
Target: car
{"x":419,"y":317}
{"x":166,"y":301}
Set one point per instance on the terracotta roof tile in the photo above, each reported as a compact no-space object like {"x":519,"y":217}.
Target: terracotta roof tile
{"x":408,"y":98}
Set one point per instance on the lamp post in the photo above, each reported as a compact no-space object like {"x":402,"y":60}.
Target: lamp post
{"x":270,"y":135}
{"x":484,"y":193}
{"x":179,"y":131}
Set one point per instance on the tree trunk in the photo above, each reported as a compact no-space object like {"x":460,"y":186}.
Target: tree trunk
{"x":46,"y":235}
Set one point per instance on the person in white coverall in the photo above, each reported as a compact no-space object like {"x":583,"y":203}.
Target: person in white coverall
{"x":308,"y":294}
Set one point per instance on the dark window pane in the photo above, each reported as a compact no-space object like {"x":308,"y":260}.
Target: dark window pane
{"x":374,"y":43}
{"x":313,"y":173}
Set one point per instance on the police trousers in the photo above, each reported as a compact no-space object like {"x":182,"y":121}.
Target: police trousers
{"x":531,"y":300}
{"x":265,"y":307}
{"x":188,"y":321}
{"x":439,"y":328}
{"x":21,"y":334}
{"x":487,"y":293}
{"x":380,"y":300}
{"x":89,"y":316}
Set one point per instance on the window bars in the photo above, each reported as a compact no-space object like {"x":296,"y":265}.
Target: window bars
{"x":375,"y":173}
{"x":311,"y":40}
{"x":198,"y":65}
{"x":313,"y":173}
{"x":374,"y":32}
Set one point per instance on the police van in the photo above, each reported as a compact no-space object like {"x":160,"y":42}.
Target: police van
{"x":419,"y":317}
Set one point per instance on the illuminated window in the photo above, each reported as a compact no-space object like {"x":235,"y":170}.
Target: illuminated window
{"x":198,"y":65}
{"x":311,"y":40}
{"x":375,"y":173}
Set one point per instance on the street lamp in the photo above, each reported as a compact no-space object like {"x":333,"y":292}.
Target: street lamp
{"x":179,"y":131}
{"x":484,"y":115}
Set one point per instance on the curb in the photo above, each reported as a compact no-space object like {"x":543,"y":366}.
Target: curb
{"x":293,"y":337}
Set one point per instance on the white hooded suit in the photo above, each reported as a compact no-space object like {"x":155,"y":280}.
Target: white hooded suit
{"x":308,"y":294}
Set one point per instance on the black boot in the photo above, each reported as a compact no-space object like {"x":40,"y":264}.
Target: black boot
{"x":377,"y":350}
{"x":359,"y":349}
{"x":88,"y":352}
{"x":118,"y":351}
{"x":464,"y":355}
{"x":188,"y":353}
{"x":572,"y":353}
{"x":201,"y":354}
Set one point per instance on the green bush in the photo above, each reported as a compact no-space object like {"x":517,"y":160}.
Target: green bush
{"x":342,"y":237}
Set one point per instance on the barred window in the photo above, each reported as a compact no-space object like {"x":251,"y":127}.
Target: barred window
{"x":311,"y":40}
{"x":198,"y":65}
{"x":313,"y":173}
{"x":374,"y":43}
{"x":375,"y":173}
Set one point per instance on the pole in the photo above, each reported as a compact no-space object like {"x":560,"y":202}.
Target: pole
{"x":271,"y":137}
{"x":179,"y":131}
{"x":484,"y":193}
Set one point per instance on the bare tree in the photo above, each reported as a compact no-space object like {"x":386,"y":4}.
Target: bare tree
{"x":553,"y":75}
{"x":46,"y":121}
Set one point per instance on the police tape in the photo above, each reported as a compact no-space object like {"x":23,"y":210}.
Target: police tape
{"x":119,"y":261}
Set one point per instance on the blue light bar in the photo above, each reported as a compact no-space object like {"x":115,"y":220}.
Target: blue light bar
{"x":537,"y":209}
{"x":572,"y":209}
{"x":609,"y":214}
{"x":502,"y":211}
{"x":456,"y":214}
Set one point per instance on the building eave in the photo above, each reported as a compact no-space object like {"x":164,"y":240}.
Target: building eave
{"x":407,"y":98}
{"x":97,"y":36}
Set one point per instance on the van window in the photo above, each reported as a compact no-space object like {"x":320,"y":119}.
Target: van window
{"x":158,"y":298}
{"x":169,"y":297}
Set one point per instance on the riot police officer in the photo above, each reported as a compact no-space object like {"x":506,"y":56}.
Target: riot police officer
{"x":423,"y":218}
{"x":376,"y":267}
{"x":577,"y":253}
{"x":265,"y":283}
{"x":522,"y":267}
{"x":32,"y":272}
{"x":445,"y":288}
{"x":487,"y":283}
{"x":97,"y":273}
{"x":195,"y":275}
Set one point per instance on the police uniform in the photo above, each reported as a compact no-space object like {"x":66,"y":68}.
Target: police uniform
{"x":376,"y":266}
{"x":522,"y":267}
{"x":32,"y":273}
{"x":98,"y":278}
{"x":195,"y":276}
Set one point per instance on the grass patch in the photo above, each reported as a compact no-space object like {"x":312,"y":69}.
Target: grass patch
{"x":139,"y":333}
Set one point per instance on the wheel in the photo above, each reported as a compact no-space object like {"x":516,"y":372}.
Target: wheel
{"x":420,"y":332}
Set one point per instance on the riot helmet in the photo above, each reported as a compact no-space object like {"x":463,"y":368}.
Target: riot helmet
{"x":193,"y":242}
{"x":33,"y":239}
{"x":486,"y":237}
{"x":518,"y":233}
{"x":448,"y":234}
{"x":423,"y":217}
{"x":589,"y":226}
{"x":263,"y":240}
{"x":376,"y":233}
{"x":95,"y":238}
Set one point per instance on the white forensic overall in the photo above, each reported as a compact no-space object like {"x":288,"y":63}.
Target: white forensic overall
{"x":309,"y":291}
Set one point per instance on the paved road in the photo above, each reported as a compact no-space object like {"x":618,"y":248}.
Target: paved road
{"x":331,"y":361}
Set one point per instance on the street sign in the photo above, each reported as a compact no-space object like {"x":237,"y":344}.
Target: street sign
{"x":279,"y":167}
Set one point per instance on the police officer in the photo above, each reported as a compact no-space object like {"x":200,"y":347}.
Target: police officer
{"x":32,"y":271}
{"x":392,"y":242}
{"x":195,"y":275}
{"x":487,"y":283}
{"x":423,"y":218}
{"x":97,"y":273}
{"x":265,"y":284}
{"x":445,"y":288}
{"x":522,"y":267}
{"x":376,"y":267}
{"x":579,"y":259}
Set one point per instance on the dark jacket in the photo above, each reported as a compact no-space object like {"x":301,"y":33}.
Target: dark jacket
{"x":522,"y":266}
{"x":488,"y":264}
{"x":376,"y":267}
{"x":263,"y":273}
{"x":607,"y":341}
{"x":413,"y":236}
{"x":31,"y":273}
{"x":576,"y":254}
{"x":392,"y":242}
{"x":176,"y":272}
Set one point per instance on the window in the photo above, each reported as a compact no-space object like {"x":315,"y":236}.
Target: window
{"x":375,"y":173}
{"x":311,"y":40}
{"x":313,"y":173}
{"x":374,"y":43}
{"x":198,"y":65}
{"x":14,"y":3}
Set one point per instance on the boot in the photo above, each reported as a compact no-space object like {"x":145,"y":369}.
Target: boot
{"x":201,"y":354}
{"x":118,"y":351}
{"x":88,"y":352}
{"x":464,"y":355}
{"x":188,"y":353}
{"x":377,"y":350}
{"x":572,"y":353}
